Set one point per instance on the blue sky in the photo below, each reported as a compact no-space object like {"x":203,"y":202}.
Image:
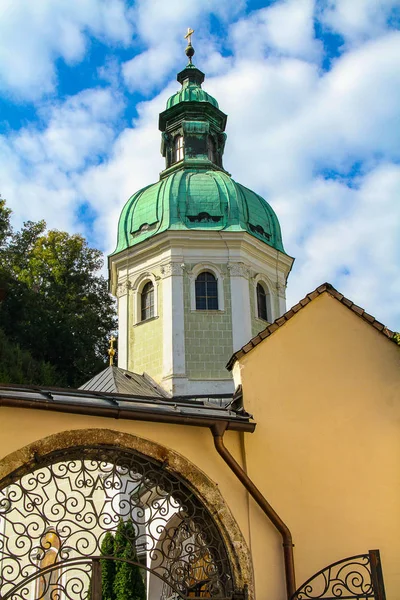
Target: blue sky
{"x":312,"y":93}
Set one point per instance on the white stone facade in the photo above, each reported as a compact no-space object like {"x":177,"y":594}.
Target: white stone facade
{"x":168,"y":345}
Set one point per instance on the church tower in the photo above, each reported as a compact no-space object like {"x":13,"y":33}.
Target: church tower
{"x":199,"y":267}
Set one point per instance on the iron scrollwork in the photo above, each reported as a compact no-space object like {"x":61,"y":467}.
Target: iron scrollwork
{"x":54,"y":517}
{"x":352,"y":578}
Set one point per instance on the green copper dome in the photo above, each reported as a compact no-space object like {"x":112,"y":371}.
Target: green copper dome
{"x":191,"y":93}
{"x":192,"y":199}
{"x":195,"y":192}
{"x":191,"y":79}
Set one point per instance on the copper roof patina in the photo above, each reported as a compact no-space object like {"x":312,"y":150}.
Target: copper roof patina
{"x":191,"y":199}
{"x":195,"y":192}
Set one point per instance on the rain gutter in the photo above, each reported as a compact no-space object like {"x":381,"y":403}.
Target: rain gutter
{"x":131,"y":414}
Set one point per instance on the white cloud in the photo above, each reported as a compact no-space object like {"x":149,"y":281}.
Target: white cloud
{"x":135,"y":161}
{"x":286,"y":28}
{"x":358,"y":20}
{"x":152,"y":19}
{"x":145,"y":70}
{"x":34,"y":34}
{"x":289,"y":125}
{"x":357,"y":248}
{"x":38,"y":168}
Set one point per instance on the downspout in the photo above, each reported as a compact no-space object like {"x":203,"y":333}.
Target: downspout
{"x":218,"y":431}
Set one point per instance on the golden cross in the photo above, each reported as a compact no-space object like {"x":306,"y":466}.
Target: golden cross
{"x":111,"y":350}
{"x":188,"y":36}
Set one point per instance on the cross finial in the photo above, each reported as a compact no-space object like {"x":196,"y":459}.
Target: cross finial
{"x":189,"y":48}
{"x":188,"y":36}
{"x":112,"y":351}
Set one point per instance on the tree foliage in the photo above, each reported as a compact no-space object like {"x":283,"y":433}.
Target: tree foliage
{"x":121,"y":580}
{"x":56,"y":304}
{"x":107,"y":567}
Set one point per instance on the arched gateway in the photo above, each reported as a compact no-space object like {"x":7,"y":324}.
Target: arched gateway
{"x":59,"y":511}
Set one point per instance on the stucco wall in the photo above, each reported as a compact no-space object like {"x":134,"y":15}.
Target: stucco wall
{"x":325,"y":392}
{"x":146,"y":342}
{"x":21,"y":427}
{"x":208,"y":337}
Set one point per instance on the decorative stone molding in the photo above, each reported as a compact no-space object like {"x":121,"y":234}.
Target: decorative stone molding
{"x":281,"y":289}
{"x":238,"y":270}
{"x":137,"y":287}
{"x":141,"y":279}
{"x":171,"y":269}
{"x":266,"y":283}
{"x":123,"y":288}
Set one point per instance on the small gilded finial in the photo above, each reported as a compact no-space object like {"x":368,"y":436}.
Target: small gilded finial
{"x":112,"y":351}
{"x":189,"y":49}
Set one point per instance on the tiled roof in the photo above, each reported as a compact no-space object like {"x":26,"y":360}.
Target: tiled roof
{"x":324,"y":288}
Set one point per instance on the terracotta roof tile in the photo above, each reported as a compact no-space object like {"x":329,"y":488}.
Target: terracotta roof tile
{"x":357,"y":309}
{"x":324,"y":288}
{"x":314,"y":294}
{"x":368,"y":317}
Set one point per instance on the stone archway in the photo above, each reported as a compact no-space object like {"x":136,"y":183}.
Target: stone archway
{"x":139,"y":481}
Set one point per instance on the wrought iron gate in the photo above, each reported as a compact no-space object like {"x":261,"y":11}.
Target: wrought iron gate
{"x":56,"y":513}
{"x":352,"y":578}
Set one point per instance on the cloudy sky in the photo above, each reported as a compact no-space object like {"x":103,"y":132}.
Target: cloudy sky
{"x":311,"y":87}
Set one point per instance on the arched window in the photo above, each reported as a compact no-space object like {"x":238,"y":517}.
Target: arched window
{"x":262,"y":303}
{"x":206,"y":292}
{"x":147,"y":302}
{"x":211,"y":149}
{"x":178,"y":143}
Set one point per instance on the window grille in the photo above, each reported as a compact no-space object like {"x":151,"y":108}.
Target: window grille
{"x":147,"y":301}
{"x":178,"y":148}
{"x":262,"y":303}
{"x":206,"y":292}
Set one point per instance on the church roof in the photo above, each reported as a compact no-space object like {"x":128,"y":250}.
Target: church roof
{"x":191,"y":79}
{"x":195,"y":192}
{"x":324,"y":288}
{"x":191,"y":199}
{"x":114,"y":380}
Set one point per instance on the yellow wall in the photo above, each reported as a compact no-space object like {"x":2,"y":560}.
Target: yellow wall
{"x":325,"y":392}
{"x":22,"y":427}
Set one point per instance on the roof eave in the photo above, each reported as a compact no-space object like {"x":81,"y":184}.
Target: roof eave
{"x":324,"y":288}
{"x":158,"y":414}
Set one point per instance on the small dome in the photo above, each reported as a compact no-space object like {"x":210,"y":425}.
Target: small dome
{"x":191,"y":93}
{"x":190,"y":199}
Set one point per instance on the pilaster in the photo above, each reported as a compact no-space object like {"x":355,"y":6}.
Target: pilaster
{"x":240,"y":301}
{"x":174,"y":325}
{"x":123,"y":323}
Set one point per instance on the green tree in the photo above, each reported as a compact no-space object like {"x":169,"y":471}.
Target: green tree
{"x":5,"y":226}
{"x":107,"y":567}
{"x":128,"y":583}
{"x":120,"y":541}
{"x":17,"y":365}
{"x":57,"y":305}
